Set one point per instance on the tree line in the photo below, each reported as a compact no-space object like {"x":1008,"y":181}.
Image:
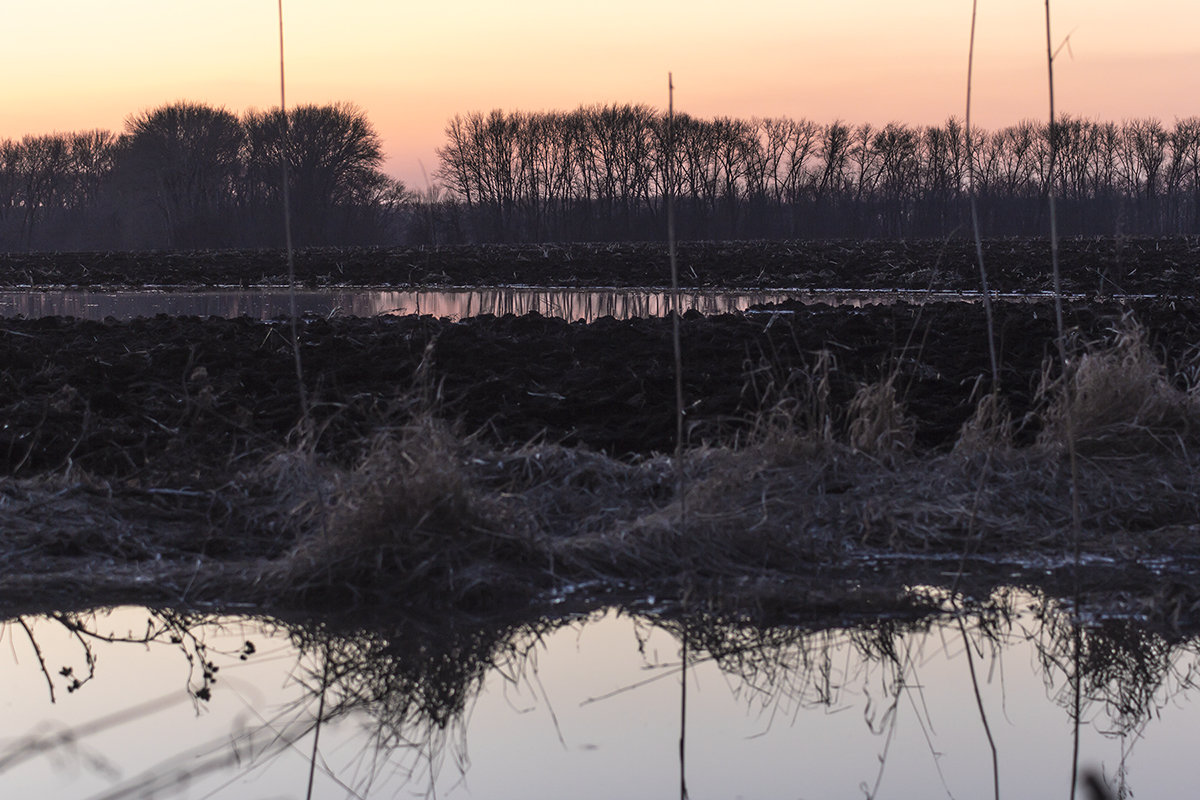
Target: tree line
{"x":601,"y":172}
{"x":188,"y":175}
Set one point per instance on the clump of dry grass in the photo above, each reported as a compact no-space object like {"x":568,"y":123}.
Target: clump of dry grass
{"x":773,"y":503}
{"x":877,"y":423}
{"x":990,"y":428}
{"x":1121,"y":401}
{"x":406,"y":519}
{"x":569,"y":491}
{"x":796,"y":403}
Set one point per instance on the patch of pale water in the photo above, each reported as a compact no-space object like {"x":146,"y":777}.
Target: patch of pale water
{"x":459,"y":303}
{"x":150,"y":703}
{"x":568,"y":303}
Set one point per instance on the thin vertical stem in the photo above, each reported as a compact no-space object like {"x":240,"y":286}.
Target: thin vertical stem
{"x":1058,"y":310}
{"x":1058,"y":307}
{"x":287,"y":226}
{"x":676,"y":306}
{"x":987,"y":297}
{"x":669,"y":195}
{"x":1076,"y":523}
{"x":675,"y":301}
{"x":987,"y":729}
{"x":312,"y":761}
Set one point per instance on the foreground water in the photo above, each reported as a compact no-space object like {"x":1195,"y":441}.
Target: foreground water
{"x":568,"y":303}
{"x":152,"y":703}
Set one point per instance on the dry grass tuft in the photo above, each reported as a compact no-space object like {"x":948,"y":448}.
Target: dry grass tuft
{"x":406,"y":519}
{"x":989,"y":429}
{"x":799,"y":413}
{"x":569,"y":491}
{"x":876,"y":423}
{"x":1121,"y":401}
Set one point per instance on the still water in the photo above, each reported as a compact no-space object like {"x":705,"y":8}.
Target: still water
{"x":154,"y":703}
{"x":568,"y":303}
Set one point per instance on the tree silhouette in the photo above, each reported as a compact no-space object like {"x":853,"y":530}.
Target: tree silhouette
{"x":333,"y":156}
{"x":182,"y":160}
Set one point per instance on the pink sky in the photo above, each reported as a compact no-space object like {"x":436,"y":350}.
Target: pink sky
{"x":75,"y":65}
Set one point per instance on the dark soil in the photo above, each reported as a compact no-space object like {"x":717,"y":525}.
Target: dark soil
{"x":168,"y":396}
{"x":1122,"y":266}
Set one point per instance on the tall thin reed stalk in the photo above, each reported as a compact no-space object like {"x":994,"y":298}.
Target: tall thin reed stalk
{"x":987,"y":729}
{"x":987,"y":297}
{"x":1076,"y":523}
{"x":287,"y":227}
{"x":1058,"y":302}
{"x":312,"y":761}
{"x":989,"y":410}
{"x":679,"y":473}
{"x":671,"y":250}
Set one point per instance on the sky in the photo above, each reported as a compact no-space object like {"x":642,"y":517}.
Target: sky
{"x":72,"y":65}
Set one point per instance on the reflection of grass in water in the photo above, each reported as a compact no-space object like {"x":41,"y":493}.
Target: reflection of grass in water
{"x":1127,"y":671}
{"x":76,"y":638}
{"x":417,"y":680}
{"x":418,"y":693}
{"x":417,"y":683}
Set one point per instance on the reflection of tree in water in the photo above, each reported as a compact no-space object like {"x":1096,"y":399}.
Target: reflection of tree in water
{"x":417,"y":681}
{"x":177,"y":629}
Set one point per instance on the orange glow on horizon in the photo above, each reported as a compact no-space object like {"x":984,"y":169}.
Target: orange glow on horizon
{"x":411,"y":69}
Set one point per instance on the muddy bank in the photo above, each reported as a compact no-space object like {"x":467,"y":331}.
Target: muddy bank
{"x":427,"y":527}
{"x":1107,"y":266}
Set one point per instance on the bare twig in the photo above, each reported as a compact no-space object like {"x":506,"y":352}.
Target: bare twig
{"x":38,"y":652}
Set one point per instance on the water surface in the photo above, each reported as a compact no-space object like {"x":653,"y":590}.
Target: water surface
{"x":589,"y":707}
{"x":568,"y":303}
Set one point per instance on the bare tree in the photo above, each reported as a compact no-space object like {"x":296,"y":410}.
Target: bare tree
{"x":43,"y":169}
{"x":897,"y":150}
{"x":182,"y":160}
{"x":10,"y":162}
{"x":334,"y":157}
{"x":1183,"y":174}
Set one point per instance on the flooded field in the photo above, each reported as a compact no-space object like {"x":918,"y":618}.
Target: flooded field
{"x":1088,"y":265}
{"x":452,"y":303}
{"x":571,"y":304}
{"x":593,"y":705}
